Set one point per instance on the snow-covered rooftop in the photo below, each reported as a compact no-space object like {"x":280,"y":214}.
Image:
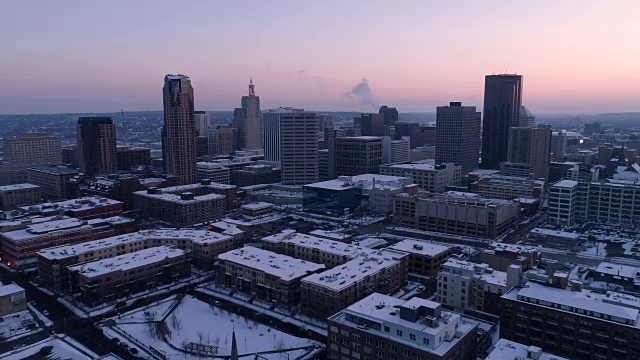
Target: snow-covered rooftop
{"x":365,"y":181}
{"x":10,"y":289}
{"x":18,"y":187}
{"x":414,"y":166}
{"x":419,"y":247}
{"x":257,"y":206}
{"x":334,"y":235}
{"x":435,"y":335}
{"x":370,"y":242}
{"x":481,"y":271}
{"x":626,"y":271}
{"x":73,"y":205}
{"x":581,"y":302}
{"x":128,"y":261}
{"x":196,"y":236}
{"x":557,"y":233}
{"x":566,"y":183}
{"x":511,"y":247}
{"x":313,"y":242}
{"x":283,"y":266}
{"x":355,"y":270}
{"x":43,"y":228}
{"x":510,"y":350}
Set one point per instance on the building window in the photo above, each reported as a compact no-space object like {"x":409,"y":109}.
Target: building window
{"x":386,"y":329}
{"x":412,"y":337}
{"x":399,"y":332}
{"x":425,"y":341}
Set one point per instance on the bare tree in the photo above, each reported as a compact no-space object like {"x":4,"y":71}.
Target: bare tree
{"x":280,"y":345}
{"x":216,"y":340}
{"x":176,"y":322}
{"x":200,"y":334}
{"x":246,"y":321}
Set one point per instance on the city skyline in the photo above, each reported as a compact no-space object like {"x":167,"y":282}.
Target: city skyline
{"x":342,"y":56}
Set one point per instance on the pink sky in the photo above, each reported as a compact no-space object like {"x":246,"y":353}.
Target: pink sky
{"x":74,"y":56}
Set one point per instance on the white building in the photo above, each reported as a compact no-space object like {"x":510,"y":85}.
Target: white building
{"x":508,"y":350}
{"x":508,"y":187}
{"x":395,"y":151}
{"x":463,"y":284}
{"x":428,"y":176}
{"x":215,"y":172}
{"x":563,"y":199}
{"x":290,"y":139}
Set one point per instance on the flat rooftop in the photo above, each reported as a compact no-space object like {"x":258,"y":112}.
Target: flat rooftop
{"x":43,"y":228}
{"x":482,"y":271}
{"x":84,"y":203}
{"x":566,"y":184}
{"x":549,"y":232}
{"x":413,"y":166}
{"x":257,"y":206}
{"x":418,"y":247}
{"x":55,"y":169}
{"x":498,"y":246}
{"x":365,"y":181}
{"x":128,"y":261}
{"x":613,"y":269}
{"x":313,"y":242}
{"x":510,"y":350}
{"x":18,"y":187}
{"x":355,"y":270}
{"x":196,"y":236}
{"x":282,"y":266}
{"x":334,"y":235}
{"x":580,"y":302}
{"x":9,"y":289}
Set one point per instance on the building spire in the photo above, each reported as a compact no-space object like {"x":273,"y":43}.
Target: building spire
{"x":252,"y":91}
{"x":234,"y":346}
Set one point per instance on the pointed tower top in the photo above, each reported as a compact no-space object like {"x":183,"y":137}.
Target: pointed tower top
{"x":252,"y":91}
{"x":234,"y":346}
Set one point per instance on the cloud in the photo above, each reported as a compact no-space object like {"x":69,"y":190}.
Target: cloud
{"x":302,"y":71}
{"x":362,"y":93}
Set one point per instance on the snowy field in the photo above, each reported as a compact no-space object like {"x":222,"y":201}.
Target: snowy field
{"x":56,"y":347}
{"x":17,"y":325}
{"x":171,"y":323}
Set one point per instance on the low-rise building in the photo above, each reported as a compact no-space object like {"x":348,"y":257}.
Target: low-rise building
{"x":52,"y":179}
{"x":215,"y":172}
{"x":88,"y":207}
{"x":425,"y":258}
{"x":385,"y":327}
{"x":577,"y":324}
{"x":457,"y":213}
{"x":373,"y":191}
{"x":130,"y":156}
{"x":500,"y":256}
{"x":270,"y":276}
{"x":554,"y":236}
{"x":204,"y":247}
{"x":624,"y":275}
{"x":256,"y":174}
{"x":109,"y":279}
{"x":12,"y":299}
{"x":12,"y":196}
{"x":19,"y":247}
{"x":385,"y":271}
{"x":257,"y":208}
{"x":466,"y":285}
{"x":508,"y":187}
{"x":508,"y":350}
{"x":428,"y":176}
{"x":186,"y":204}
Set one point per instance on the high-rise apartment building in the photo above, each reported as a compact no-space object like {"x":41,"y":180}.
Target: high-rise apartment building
{"x":458,"y":136}
{"x":356,"y":155}
{"x":248,"y":121}
{"x":325,"y":121}
{"x":502,"y":102}
{"x":291,"y":139}
{"x":27,"y":150}
{"x":178,"y":133}
{"x":97,"y":145}
{"x":201,"y":122}
{"x":530,"y":146}
{"x":390,"y":115}
{"x":330,"y":136}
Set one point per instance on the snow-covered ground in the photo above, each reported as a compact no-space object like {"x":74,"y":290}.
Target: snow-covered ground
{"x":595,"y":248}
{"x":192,"y":320}
{"x":56,"y":347}
{"x":18,"y":325}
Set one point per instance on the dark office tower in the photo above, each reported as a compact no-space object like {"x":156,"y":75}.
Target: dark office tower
{"x":324,"y":121}
{"x":370,"y":124}
{"x":458,"y":136}
{"x":407,"y":128}
{"x":248,"y":120}
{"x":390,"y":115}
{"x":178,"y":133}
{"x":502,"y":101}
{"x":530,"y":147}
{"x":592,"y":128}
{"x":97,"y":145}
{"x":527,"y":119}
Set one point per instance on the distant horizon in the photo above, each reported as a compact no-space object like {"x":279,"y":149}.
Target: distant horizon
{"x":576,"y":57}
